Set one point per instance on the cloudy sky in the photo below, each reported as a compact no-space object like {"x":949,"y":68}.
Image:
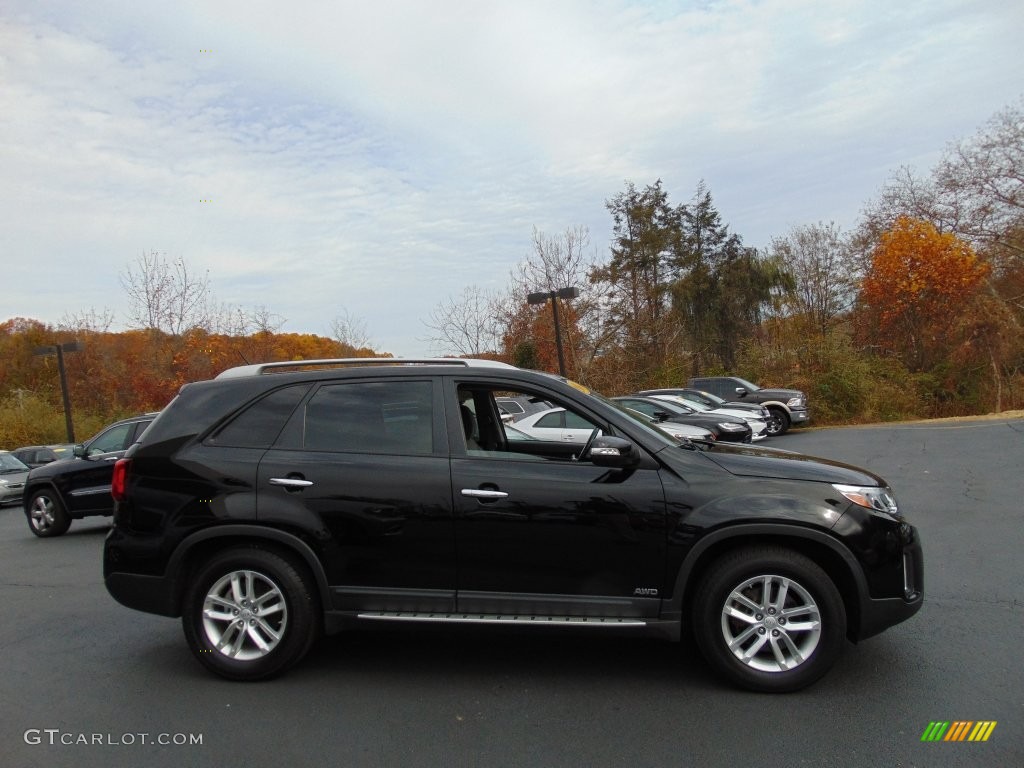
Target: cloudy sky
{"x":377,"y":157}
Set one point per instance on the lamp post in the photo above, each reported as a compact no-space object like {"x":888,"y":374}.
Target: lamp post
{"x":543,"y":296}
{"x":59,"y":350}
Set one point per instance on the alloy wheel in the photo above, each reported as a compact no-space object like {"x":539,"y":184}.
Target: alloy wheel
{"x":771,"y":623}
{"x":245,"y":615}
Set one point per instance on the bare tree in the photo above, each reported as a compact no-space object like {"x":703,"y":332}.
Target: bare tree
{"x":818,"y":256}
{"x":562,"y":261}
{"x":983,"y":178}
{"x":465,"y":326}
{"x":976,"y":191}
{"x":166,"y":295}
{"x":231,"y":320}
{"x":350,"y":329}
{"x":89,"y":320}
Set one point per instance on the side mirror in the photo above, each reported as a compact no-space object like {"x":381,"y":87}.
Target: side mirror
{"x":79,"y":451}
{"x":741,"y":392}
{"x":661,"y":415}
{"x":609,"y":451}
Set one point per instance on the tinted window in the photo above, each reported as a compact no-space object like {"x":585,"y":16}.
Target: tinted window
{"x":371,"y":417}
{"x":640,"y":405}
{"x":575,"y":421}
{"x":259,"y":425}
{"x":551,"y":421}
{"x":113,"y":439}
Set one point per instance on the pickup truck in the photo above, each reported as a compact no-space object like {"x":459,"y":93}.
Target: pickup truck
{"x":787,"y":406}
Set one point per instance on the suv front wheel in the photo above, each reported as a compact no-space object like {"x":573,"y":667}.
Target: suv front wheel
{"x":46,"y":514}
{"x":249,"y":614}
{"x":769,"y":618}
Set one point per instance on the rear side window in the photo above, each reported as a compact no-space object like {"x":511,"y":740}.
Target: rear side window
{"x":259,"y":425}
{"x":393,"y":417}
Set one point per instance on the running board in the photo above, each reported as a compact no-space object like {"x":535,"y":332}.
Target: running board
{"x":493,"y":618}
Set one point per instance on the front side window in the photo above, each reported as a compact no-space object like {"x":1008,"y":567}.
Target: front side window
{"x":394,"y":417}
{"x":113,"y":439}
{"x":557,"y":433}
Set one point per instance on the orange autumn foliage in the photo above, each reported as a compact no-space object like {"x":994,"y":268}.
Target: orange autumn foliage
{"x":919,"y":275}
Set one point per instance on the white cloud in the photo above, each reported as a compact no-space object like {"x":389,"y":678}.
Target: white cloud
{"x":382,"y":156}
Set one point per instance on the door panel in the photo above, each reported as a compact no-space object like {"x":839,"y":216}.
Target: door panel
{"x":362,"y":468}
{"x":377,"y":537}
{"x":567,"y":538}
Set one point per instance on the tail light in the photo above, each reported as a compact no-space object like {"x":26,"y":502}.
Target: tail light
{"x":119,"y":482}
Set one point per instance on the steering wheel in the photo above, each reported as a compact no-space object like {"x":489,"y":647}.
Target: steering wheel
{"x":594,"y":434}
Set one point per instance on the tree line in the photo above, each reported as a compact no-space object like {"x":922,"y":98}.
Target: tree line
{"x":916,"y":311}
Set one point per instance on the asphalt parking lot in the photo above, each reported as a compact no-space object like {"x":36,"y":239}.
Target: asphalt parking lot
{"x":76,"y":667}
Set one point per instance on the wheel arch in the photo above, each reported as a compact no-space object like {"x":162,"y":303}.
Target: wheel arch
{"x":777,"y":404}
{"x":196,"y":548}
{"x":38,"y":485}
{"x":835,"y":559}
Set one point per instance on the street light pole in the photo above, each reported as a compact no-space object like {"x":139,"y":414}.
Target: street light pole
{"x":59,"y":350}
{"x":570,"y":292}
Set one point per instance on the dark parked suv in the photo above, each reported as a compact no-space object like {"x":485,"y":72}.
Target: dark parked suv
{"x":69,"y":489}
{"x":280,"y":500}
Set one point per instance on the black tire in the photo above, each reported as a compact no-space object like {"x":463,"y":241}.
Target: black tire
{"x":263,"y":645}
{"x":778,"y":422}
{"x":806,"y":628}
{"x":46,"y":514}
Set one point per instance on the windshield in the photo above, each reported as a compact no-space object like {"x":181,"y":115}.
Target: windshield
{"x":713,"y":398}
{"x":694,"y":404}
{"x":11,"y":463}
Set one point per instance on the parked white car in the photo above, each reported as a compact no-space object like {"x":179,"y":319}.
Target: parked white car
{"x":556,"y":425}
{"x":679,"y":431}
{"x":758,"y":426}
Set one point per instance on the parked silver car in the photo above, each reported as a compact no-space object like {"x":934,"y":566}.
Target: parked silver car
{"x":13,"y":472}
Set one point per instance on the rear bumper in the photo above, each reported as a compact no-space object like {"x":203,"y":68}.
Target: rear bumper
{"x":151,"y":594}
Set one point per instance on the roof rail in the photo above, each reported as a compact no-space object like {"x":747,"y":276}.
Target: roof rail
{"x":355,"y":362}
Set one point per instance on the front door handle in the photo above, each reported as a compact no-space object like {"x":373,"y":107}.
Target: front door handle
{"x":291,"y":483}
{"x":479,"y":493}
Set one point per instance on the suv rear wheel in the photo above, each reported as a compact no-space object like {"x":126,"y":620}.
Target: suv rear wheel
{"x":769,"y":618}
{"x":46,"y":514}
{"x":249,"y":614}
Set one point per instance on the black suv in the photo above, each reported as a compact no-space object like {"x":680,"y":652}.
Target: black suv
{"x":69,"y":489}
{"x":280,"y":500}
{"x":787,"y":406}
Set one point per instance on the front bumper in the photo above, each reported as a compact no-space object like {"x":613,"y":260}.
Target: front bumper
{"x":878,"y":614}
{"x":799,"y":415}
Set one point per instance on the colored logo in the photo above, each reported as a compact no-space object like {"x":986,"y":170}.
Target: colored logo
{"x":959,"y":730}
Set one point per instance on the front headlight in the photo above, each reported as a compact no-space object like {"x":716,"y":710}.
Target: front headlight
{"x":795,"y":402}
{"x":870,"y":497}
{"x":731,"y":426}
